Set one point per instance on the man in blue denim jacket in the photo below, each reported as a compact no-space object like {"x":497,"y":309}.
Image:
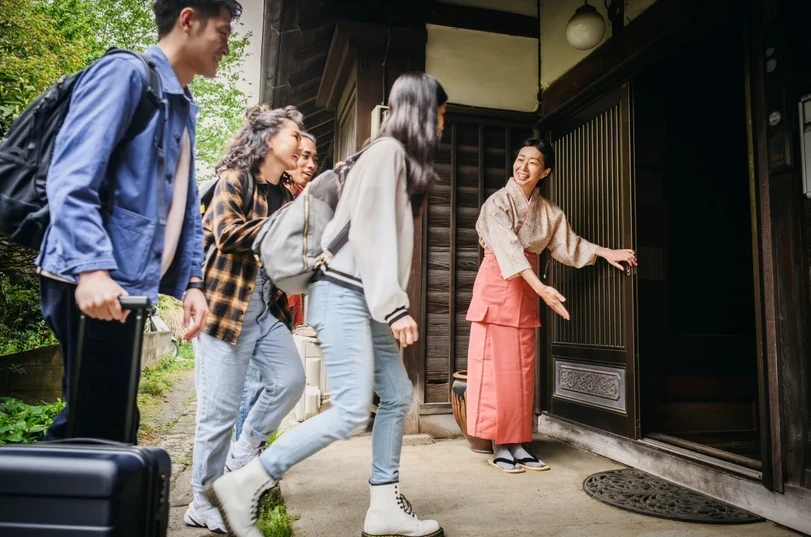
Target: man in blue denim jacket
{"x":91,"y":256}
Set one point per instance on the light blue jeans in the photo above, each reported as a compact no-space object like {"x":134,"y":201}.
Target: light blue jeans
{"x":250,"y":394}
{"x":220,"y":370}
{"x":361,"y":356}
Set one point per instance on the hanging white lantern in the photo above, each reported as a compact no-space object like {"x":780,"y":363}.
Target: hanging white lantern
{"x":586,"y":28}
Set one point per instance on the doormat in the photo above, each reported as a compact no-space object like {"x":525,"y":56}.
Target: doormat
{"x":645,"y":494}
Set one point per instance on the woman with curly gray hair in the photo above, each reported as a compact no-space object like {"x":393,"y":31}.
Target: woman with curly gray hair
{"x":247,"y":321}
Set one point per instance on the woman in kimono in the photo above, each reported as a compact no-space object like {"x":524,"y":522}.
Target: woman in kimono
{"x":517,"y":223}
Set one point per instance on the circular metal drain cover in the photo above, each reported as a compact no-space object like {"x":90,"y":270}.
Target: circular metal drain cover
{"x":645,"y":494}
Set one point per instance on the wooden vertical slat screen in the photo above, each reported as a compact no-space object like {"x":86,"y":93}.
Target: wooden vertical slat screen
{"x":587,"y":185}
{"x":345,"y":144}
{"x":438,"y":230}
{"x":473,"y":162}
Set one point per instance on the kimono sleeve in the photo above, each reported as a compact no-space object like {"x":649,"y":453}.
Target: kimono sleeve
{"x":566,"y":246}
{"x":496,"y":228}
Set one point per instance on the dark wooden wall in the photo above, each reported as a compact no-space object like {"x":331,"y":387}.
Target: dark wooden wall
{"x":474,"y":161}
{"x":777,"y":25}
{"x":794,"y":17}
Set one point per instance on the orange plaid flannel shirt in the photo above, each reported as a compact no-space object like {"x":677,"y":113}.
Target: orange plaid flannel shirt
{"x":231,"y":268}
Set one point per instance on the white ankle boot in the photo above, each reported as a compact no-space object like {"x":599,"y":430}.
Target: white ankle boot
{"x":390,"y":515}
{"x":237,"y":495}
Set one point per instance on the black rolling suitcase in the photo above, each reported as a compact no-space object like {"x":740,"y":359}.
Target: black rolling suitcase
{"x":85,"y":487}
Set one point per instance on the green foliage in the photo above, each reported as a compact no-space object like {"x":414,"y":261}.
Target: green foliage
{"x":34,"y":53}
{"x":21,"y":423}
{"x":40,"y":40}
{"x":126,"y":24}
{"x":156,"y":380}
{"x":21,"y":325}
{"x":154,"y":385}
{"x":222,"y":107}
{"x":274,"y":521}
{"x":186,"y":352}
{"x":76,"y":21}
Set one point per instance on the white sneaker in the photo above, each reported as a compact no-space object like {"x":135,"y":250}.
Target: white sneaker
{"x":391,"y":515}
{"x":237,"y":495}
{"x":201,"y":514}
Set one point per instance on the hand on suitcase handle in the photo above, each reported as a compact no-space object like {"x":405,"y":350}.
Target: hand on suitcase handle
{"x":98,"y":295}
{"x":135,"y":302}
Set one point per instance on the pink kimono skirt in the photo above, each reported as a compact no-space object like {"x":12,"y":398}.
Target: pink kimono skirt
{"x":501,"y":355}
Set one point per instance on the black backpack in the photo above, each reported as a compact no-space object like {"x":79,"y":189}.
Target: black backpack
{"x":27,"y":149}
{"x":207,"y":193}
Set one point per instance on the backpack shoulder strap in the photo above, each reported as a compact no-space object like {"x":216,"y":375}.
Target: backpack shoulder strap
{"x":342,"y":237}
{"x":248,"y":187}
{"x":150,"y":98}
{"x":150,"y":102}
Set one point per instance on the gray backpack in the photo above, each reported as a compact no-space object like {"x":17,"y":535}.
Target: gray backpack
{"x":289,"y":243}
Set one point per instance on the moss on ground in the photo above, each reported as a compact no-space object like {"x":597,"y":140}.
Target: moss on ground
{"x":274,"y":521}
{"x":156,"y":382}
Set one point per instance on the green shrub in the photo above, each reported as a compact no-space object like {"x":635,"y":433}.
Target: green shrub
{"x":156,"y":380}
{"x":21,"y":325}
{"x":21,"y":423}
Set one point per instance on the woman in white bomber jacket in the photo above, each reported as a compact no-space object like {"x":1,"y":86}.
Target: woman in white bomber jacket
{"x":359,"y":307}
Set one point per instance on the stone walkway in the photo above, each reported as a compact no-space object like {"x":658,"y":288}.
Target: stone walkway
{"x":443,"y":480}
{"x":177,"y":437}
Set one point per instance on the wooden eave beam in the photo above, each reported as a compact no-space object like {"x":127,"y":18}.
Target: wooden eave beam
{"x":319,"y":119}
{"x":308,"y":107}
{"x":306,"y":93}
{"x":349,"y":37}
{"x":323,"y":133}
{"x":485,"y":20}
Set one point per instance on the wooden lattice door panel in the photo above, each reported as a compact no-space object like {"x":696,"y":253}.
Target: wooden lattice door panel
{"x":591,"y":359}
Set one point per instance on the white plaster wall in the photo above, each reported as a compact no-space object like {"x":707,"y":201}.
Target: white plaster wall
{"x":253,"y":12}
{"x":484,"y":69}
{"x":521,"y":7}
{"x":557,"y":55}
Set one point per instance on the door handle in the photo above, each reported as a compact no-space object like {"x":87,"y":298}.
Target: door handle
{"x":627,"y":269}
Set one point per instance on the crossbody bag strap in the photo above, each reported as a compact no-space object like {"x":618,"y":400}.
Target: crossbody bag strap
{"x":342,"y":237}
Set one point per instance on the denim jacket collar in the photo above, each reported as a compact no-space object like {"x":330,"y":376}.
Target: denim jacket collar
{"x":168,"y":77}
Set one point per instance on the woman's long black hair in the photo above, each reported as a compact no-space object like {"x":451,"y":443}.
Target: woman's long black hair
{"x":412,"y":121}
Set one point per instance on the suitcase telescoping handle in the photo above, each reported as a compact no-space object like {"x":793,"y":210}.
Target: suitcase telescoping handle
{"x":140,"y":306}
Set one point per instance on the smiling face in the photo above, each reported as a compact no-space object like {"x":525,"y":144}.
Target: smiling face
{"x":207,"y":40}
{"x":285,"y":145}
{"x":307,"y":163}
{"x":529,"y":168}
